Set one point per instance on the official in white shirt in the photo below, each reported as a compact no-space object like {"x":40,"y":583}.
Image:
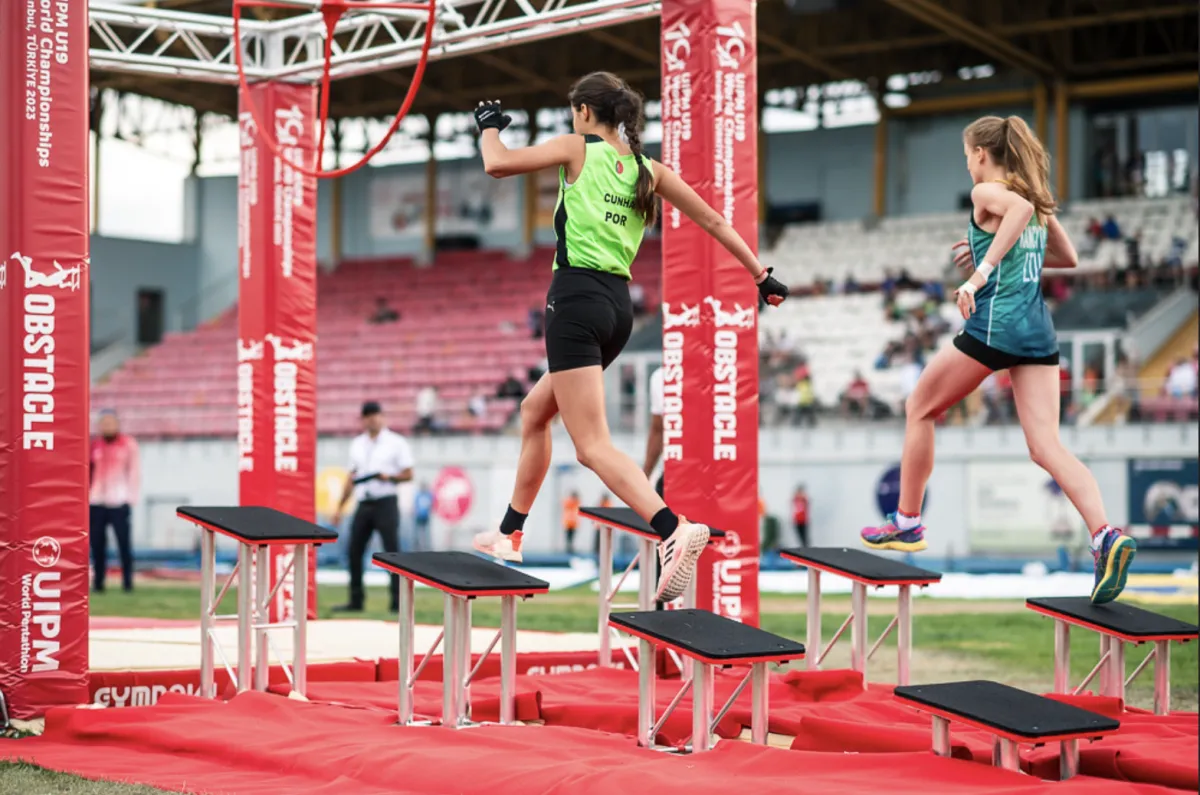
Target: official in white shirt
{"x":379,"y":460}
{"x":654,"y":440}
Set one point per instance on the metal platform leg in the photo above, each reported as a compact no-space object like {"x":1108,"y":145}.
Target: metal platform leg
{"x":904,"y":634}
{"x":245,"y":611}
{"x":941,"y":736}
{"x":407,"y":624}
{"x":812,"y":635}
{"x":702,"y":707}
{"x":464,"y":662}
{"x":300,"y":631}
{"x":1062,"y":657}
{"x":604,"y":579}
{"x":1162,"y":677}
{"x":647,"y":568}
{"x":1068,"y":760}
{"x":207,"y":611}
{"x":646,"y":677}
{"x":262,"y":604}
{"x":451,"y":677}
{"x":508,"y":659}
{"x":759,"y":694}
{"x":1116,"y":665}
{"x":1004,"y":754}
{"x":858,"y":631}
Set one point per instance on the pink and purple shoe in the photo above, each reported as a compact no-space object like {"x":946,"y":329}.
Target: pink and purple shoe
{"x":889,"y":536}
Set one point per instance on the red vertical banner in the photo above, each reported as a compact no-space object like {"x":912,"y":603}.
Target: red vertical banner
{"x":44,"y":354}
{"x":710,"y":304}
{"x":277,"y":317}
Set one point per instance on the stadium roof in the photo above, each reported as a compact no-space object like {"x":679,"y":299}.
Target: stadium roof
{"x":1028,"y":41}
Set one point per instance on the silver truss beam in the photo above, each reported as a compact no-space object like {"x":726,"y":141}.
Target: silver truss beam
{"x":199,"y":47}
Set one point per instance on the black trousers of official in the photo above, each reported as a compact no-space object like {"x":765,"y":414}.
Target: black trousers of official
{"x":382,"y":515}
{"x":101,"y":518}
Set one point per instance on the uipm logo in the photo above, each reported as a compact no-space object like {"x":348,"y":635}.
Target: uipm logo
{"x":249,"y":351}
{"x":293,"y":351}
{"x":738,"y":318}
{"x":62,"y":278}
{"x":686,"y":317}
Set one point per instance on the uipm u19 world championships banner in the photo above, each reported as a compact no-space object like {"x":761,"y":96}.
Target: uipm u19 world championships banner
{"x":277,"y":318}
{"x":710,"y":334}
{"x":43,"y":354}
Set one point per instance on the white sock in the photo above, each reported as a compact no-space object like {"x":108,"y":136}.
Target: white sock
{"x":1098,"y":539}
{"x":906,"y":522}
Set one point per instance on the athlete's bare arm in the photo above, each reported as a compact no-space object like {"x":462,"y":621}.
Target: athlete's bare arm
{"x":500,"y":161}
{"x":1013,"y":210}
{"x":671,"y":187}
{"x":1060,"y":253}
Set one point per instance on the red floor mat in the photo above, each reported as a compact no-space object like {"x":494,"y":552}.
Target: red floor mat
{"x":258,"y":744}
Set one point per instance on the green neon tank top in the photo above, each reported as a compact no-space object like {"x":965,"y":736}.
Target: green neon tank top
{"x":595,"y":223}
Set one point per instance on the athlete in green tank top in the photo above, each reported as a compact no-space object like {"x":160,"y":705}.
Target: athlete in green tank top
{"x":595,"y":221}
{"x":1010,"y":313}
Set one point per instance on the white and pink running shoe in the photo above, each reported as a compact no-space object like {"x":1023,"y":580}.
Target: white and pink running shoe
{"x":678,"y":556}
{"x":500,"y":546}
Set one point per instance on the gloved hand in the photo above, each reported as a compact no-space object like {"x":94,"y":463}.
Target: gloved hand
{"x":488,"y":115}
{"x":773,"y":291}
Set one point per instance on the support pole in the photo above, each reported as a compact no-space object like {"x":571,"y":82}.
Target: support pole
{"x":508,"y":659}
{"x":812,"y":635}
{"x":1005,"y":755}
{"x":406,"y":621}
{"x":941,"y":736}
{"x":300,"y":616}
{"x":646,"y":678}
{"x":1062,"y":657}
{"x":702,"y":706}
{"x":1162,"y":677}
{"x":858,"y":631}
{"x":604,"y":579}
{"x":646,"y":573}
{"x":464,"y":661}
{"x":1062,"y":145}
{"x":450,"y":674}
{"x":245,"y":613}
{"x":1068,"y":759}
{"x":207,"y":611}
{"x":431,"y":194}
{"x":759,"y":696}
{"x":881,"y":165}
{"x":904,"y":634}
{"x":1040,"y":110}
{"x":262,"y":599}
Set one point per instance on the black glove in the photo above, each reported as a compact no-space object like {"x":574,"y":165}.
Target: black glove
{"x":771,"y":287}
{"x":489,"y":115}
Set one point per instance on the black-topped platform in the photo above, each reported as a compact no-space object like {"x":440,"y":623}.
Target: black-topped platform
{"x":461,"y":577}
{"x":1013,"y":716}
{"x":708,"y":637}
{"x":864,"y":570}
{"x":861,"y":566}
{"x":627,"y":519}
{"x":461,"y":573}
{"x":257,"y":525}
{"x":257,"y":530}
{"x":1008,"y":711}
{"x":706,"y":640}
{"x":1117,"y":623}
{"x":1119,"y":619}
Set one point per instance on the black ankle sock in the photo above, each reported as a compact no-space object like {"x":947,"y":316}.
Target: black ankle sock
{"x":513,"y":521}
{"x":664,"y":523}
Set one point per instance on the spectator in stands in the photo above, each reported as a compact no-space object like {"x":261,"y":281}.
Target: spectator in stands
{"x":1095,"y":231}
{"x":536,"y":322}
{"x":422,"y":513}
{"x":800,"y":514}
{"x":1133,"y":252}
{"x":1181,"y":379}
{"x":1065,"y":389}
{"x":511,"y":387}
{"x":907,"y":282}
{"x":910,"y":372}
{"x":477,"y":406}
{"x":570,"y":519}
{"x":786,"y":398}
{"x":427,"y":409}
{"x":384,"y":313}
{"x":115,"y":473}
{"x":637,"y":297}
{"x":380,"y":459}
{"x":1111,"y":230}
{"x":850,"y":286}
{"x":856,"y":400}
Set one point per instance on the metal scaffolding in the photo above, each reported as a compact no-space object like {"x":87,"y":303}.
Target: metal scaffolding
{"x":200,"y":47}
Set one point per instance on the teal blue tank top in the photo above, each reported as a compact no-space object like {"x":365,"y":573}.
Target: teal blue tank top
{"x":1010,"y":313}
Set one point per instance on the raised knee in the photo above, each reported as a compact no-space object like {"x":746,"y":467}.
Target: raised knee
{"x":588,"y":454}
{"x":1040,"y":452}
{"x":532,"y":420}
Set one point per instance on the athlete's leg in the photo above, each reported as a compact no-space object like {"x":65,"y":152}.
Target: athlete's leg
{"x":950,"y":376}
{"x":580,"y":396}
{"x":537,"y":411}
{"x":1036,"y":392}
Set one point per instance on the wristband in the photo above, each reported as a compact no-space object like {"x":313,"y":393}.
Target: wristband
{"x":985,"y":269}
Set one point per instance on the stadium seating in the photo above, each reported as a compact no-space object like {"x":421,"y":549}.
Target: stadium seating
{"x":463,"y":328}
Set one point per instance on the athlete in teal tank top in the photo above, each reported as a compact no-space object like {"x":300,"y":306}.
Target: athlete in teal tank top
{"x":608,"y":193}
{"x":1012,"y":235}
{"x":1010,"y":313}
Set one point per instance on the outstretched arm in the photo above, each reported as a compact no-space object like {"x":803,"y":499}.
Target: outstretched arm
{"x":1060,"y":253}
{"x":500,"y":161}
{"x":671,"y":187}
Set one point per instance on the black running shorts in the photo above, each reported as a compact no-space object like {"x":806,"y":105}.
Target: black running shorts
{"x":589,"y":318}
{"x":994,"y":359}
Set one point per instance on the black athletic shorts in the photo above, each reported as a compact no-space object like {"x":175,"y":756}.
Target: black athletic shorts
{"x":994,"y":359}
{"x":589,"y":318}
